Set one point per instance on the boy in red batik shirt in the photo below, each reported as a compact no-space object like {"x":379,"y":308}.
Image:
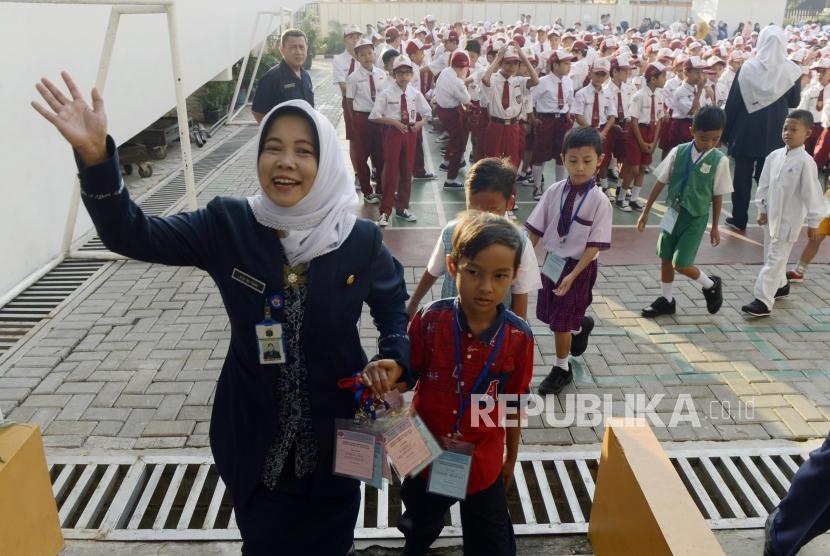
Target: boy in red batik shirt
{"x":467,"y":351}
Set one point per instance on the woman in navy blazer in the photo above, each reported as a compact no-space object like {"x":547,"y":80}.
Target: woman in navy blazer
{"x":294,"y":254}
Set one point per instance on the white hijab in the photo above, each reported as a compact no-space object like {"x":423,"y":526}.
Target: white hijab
{"x":322,"y":220}
{"x":765,"y":78}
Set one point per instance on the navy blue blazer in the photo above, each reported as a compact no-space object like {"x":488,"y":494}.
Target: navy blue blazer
{"x":225,"y":236}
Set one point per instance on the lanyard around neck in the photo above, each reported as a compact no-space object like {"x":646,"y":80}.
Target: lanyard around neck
{"x":464,"y":402}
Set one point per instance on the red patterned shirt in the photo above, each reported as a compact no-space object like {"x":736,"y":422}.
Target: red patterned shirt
{"x":436,"y":398}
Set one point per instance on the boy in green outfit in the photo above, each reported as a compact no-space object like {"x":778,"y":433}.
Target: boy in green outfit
{"x":697,"y":174}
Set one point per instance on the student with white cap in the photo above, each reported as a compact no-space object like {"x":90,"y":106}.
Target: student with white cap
{"x":362,"y":88}
{"x":506,"y":92}
{"x":343,"y":65}
{"x":452,"y":99}
{"x":552,"y":100}
{"x":402,"y":110}
{"x":593,"y":108}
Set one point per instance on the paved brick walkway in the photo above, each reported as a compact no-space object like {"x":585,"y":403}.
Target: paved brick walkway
{"x":132,"y":362}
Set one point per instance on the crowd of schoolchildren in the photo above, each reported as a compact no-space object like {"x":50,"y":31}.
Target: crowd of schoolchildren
{"x":596,"y":106}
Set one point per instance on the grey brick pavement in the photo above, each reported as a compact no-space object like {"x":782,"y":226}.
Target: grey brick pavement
{"x":134,"y":363}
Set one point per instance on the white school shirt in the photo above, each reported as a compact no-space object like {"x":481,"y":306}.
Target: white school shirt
{"x":342,"y":65}
{"x":627,"y":90}
{"x":440,"y":62}
{"x":518,"y":90}
{"x":475,"y":87}
{"x":640,"y":106}
{"x":528,"y":277}
{"x":789,"y":192}
{"x":358,"y":89}
{"x":542,"y":50}
{"x":591,"y":226}
{"x":721,"y":93}
{"x":546,"y":94}
{"x":723,"y":180}
{"x":579,"y":71}
{"x":682,"y":100}
{"x":583,"y":105}
{"x":727,"y":77}
{"x":450,"y":90}
{"x":416,"y":76}
{"x":809,"y":99}
{"x":668,"y":91}
{"x":388,"y":104}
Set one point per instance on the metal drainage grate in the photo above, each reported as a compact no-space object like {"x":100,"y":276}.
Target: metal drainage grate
{"x":39,"y":300}
{"x":167,"y":498}
{"x":164,"y":198}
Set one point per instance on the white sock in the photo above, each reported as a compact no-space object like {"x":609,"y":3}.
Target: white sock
{"x":704,"y":281}
{"x":537,"y":175}
{"x":668,"y":290}
{"x":603,"y":183}
{"x":559,"y":172}
{"x":562,"y":363}
{"x":445,"y":162}
{"x":635,"y":193}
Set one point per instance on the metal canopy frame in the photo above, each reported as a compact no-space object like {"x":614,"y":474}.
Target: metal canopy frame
{"x":119,"y":8}
{"x":282,"y":12}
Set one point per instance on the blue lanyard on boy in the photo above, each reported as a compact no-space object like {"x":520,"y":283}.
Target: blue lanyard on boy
{"x":568,"y":225}
{"x":485,"y":372}
{"x":685,"y":179}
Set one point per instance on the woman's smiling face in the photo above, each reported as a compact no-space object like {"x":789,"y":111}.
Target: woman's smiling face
{"x":288,"y":163}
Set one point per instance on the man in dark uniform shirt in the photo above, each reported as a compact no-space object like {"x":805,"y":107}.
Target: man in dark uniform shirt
{"x":288,"y":80}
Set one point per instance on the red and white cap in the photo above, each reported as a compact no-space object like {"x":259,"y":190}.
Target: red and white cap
{"x":694,"y":63}
{"x":364,"y":42}
{"x":621,"y":61}
{"x":601,"y":65}
{"x":460,"y":59}
{"x":821,"y":64}
{"x":415,"y":45}
{"x":579,"y":45}
{"x":511,"y":54}
{"x":351,"y":30}
{"x":402,"y":61}
{"x":554,"y":32}
{"x":654,"y":69}
{"x":392,"y":33}
{"x":429,"y":18}
{"x":712,"y":61}
{"x":609,"y":42}
{"x":561,"y":55}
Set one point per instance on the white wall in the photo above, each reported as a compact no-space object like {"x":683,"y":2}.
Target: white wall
{"x":542,"y":12}
{"x":41,"y":40}
{"x":736,"y":11}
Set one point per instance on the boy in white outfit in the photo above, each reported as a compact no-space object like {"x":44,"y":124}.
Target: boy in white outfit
{"x":788,"y":191}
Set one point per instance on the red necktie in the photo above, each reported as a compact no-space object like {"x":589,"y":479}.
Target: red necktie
{"x":372,"y":86}
{"x":651,"y":115}
{"x":351,"y":67}
{"x":561,"y":95}
{"x":620,"y":110}
{"x":595,"y":111}
{"x":404,"y":111}
{"x":820,"y":101}
{"x":505,"y":95}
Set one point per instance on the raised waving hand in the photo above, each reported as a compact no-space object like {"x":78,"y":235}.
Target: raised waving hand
{"x":83,"y":127}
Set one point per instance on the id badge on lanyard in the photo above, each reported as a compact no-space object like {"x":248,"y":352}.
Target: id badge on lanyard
{"x":450,"y":473}
{"x":270,"y":340}
{"x":553,"y":267}
{"x":669,"y":220}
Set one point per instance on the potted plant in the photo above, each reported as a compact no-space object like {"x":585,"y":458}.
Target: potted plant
{"x":215,"y":100}
{"x":310,"y":25}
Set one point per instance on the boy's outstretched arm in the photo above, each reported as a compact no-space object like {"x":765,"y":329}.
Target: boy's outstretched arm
{"x":717,"y":204}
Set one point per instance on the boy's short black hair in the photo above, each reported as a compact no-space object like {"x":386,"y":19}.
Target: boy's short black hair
{"x":709,"y":118}
{"x":803,"y":116}
{"x":582,"y":137}
{"x":491,"y":174}
{"x":388,"y":55}
{"x":473,"y":46}
{"x":477,"y":230}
